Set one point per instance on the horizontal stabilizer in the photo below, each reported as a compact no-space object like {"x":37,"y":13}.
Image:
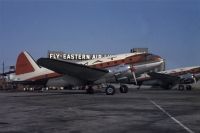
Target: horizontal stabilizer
{"x":38,"y":82}
{"x":6,"y":73}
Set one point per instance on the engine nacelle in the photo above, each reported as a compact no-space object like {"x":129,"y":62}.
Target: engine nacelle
{"x":187,"y":79}
{"x":121,"y":73}
{"x":119,"y":69}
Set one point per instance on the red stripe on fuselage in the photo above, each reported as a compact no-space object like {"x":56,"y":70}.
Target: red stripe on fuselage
{"x":131,"y":60}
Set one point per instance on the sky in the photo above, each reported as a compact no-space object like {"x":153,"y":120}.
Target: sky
{"x":169,"y":28}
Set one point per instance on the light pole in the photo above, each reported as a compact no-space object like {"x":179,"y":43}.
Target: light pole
{"x":3,"y":69}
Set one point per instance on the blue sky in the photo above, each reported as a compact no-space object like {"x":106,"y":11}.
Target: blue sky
{"x":169,"y":28}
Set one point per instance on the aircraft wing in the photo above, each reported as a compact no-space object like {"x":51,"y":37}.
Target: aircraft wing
{"x":165,"y":78}
{"x":82,"y":72}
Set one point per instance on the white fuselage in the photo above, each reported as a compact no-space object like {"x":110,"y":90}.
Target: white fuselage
{"x":55,"y":79}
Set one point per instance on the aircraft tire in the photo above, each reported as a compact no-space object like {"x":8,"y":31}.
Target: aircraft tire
{"x":188,"y":87}
{"x":110,"y":90}
{"x":123,"y":89}
{"x":181,"y":87}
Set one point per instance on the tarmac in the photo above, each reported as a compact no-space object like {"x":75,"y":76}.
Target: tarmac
{"x":139,"y":111}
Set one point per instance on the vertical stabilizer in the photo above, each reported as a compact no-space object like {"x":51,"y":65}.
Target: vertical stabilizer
{"x":25,"y":64}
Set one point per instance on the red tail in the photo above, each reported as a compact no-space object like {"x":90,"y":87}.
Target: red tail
{"x":24,"y":63}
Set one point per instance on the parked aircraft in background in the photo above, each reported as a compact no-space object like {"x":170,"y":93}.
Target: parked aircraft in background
{"x":182,"y":78}
{"x":122,"y":68}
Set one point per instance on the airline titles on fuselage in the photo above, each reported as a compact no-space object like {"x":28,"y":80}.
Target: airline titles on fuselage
{"x":66,"y":56}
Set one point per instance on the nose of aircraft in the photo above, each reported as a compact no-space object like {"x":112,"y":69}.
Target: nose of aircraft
{"x":162,"y":63}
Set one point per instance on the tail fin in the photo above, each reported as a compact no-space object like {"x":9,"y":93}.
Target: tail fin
{"x":25,"y":64}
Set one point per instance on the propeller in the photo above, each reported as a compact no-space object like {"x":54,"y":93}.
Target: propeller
{"x":133,"y":73}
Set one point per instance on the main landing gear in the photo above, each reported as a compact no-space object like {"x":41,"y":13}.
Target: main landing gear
{"x":110,"y":89}
{"x":184,"y":87}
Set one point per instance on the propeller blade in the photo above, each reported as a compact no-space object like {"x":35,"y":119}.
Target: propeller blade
{"x":133,"y":73}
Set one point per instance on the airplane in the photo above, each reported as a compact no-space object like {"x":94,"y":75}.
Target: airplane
{"x":181,"y":78}
{"x":121,"y":68}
